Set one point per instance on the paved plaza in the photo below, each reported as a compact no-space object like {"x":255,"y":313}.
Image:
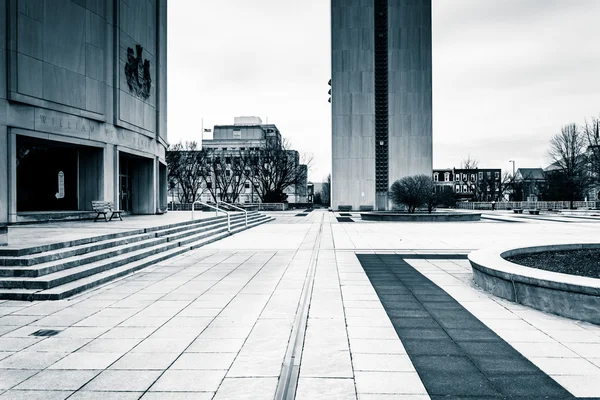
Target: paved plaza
{"x":339,"y":310}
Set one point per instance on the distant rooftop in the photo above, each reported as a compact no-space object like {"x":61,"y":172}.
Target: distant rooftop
{"x":247,"y":121}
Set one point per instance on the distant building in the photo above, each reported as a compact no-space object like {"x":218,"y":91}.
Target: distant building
{"x":246,"y":135}
{"x":529,"y":182}
{"x":480,"y":184}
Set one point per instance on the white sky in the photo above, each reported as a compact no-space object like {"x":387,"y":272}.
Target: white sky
{"x":507,"y":74}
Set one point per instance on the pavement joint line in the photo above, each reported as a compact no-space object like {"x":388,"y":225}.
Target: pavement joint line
{"x":215,"y":317}
{"x":92,"y":378}
{"x":290,"y":369}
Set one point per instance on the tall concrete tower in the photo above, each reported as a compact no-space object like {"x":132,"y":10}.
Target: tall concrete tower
{"x":381,"y":97}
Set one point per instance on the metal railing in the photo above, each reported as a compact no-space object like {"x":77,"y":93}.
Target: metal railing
{"x":537,"y":205}
{"x":237,"y":208}
{"x":216,"y":213}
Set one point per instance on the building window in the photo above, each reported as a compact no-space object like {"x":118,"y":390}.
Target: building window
{"x":481,"y":176}
{"x":497,"y":175}
{"x":457,"y":177}
{"x":228,"y":172}
{"x":224,"y":149}
{"x":465,"y":189}
{"x":209,"y":185}
{"x":218,"y":160}
{"x":237,"y":134}
{"x":457,"y":188}
{"x":435,"y":177}
{"x":464,"y":177}
{"x":247,"y":185}
{"x":489,"y":174}
{"x":227,"y":160}
{"x":472,"y":177}
{"x":242,"y":148}
{"x":447,"y":177}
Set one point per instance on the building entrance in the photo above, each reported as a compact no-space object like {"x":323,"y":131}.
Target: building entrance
{"x":46,"y":176}
{"x":136,"y":184}
{"x":57,"y":176}
{"x":124,"y":185}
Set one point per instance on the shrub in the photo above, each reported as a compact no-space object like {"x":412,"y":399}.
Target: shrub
{"x":413,"y":192}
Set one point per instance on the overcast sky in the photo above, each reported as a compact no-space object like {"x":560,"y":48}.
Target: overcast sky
{"x":507,"y":74}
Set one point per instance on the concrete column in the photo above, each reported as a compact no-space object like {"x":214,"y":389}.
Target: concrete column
{"x":110,"y":176}
{"x":12,"y":177}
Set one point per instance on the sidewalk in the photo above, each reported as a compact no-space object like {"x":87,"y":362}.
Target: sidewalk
{"x":218,"y":322}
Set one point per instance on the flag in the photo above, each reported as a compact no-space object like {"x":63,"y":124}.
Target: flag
{"x":207,"y":130}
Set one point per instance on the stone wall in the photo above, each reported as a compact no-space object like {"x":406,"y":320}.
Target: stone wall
{"x":90,"y":73}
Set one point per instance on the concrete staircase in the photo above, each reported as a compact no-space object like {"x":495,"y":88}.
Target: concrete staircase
{"x":60,"y":270}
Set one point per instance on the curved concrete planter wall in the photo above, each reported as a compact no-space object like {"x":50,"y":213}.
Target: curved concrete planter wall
{"x":421,"y":217}
{"x":566,"y":295}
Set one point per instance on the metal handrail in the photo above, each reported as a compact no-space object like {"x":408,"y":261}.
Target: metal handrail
{"x":217,"y":213}
{"x":237,"y":208}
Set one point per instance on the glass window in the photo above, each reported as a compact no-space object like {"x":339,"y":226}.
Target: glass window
{"x":227,"y":160}
{"x":209,"y":185}
{"x":472,"y":177}
{"x":447,"y":177}
{"x":237,"y":134}
{"x":465,"y":189}
{"x":457,"y":188}
{"x":228,"y":172}
{"x":481,"y":176}
{"x":224,"y":148}
{"x":247,"y":185}
{"x":435,"y":177}
{"x":497,"y":175}
{"x":457,"y":177}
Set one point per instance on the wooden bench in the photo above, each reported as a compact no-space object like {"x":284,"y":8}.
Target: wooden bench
{"x":534,"y":212}
{"x":105,"y":207}
{"x":518,"y":211}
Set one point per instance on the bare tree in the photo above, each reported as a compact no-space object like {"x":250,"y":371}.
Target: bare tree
{"x":413,"y":192}
{"x":469,"y":163}
{"x":568,"y":176}
{"x":187,"y":169}
{"x":274,"y":168}
{"x":592,"y":135}
{"x":228,"y":174}
{"x":326,"y":190}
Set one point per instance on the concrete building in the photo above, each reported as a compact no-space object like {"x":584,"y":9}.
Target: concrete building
{"x":82,"y":106}
{"x":250,"y":134}
{"x":479,"y":184}
{"x":381,"y":97}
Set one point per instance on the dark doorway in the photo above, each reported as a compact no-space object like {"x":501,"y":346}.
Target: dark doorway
{"x":47,"y":175}
{"x":125,"y":171}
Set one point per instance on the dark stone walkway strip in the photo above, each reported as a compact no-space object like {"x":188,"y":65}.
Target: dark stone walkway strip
{"x":455,"y":354}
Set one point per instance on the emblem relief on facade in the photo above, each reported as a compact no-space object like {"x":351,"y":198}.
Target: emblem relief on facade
{"x":137,"y":73}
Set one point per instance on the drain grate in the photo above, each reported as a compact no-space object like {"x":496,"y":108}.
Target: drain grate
{"x":301,"y":215}
{"x":345,"y":219}
{"x":45,"y":332}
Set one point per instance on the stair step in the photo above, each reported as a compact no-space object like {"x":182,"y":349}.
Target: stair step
{"x":82,"y":282}
{"x":57,"y":260}
{"x":8,"y":252}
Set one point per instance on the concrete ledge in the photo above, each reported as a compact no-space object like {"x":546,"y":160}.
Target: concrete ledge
{"x":421,"y":217}
{"x":566,"y":295}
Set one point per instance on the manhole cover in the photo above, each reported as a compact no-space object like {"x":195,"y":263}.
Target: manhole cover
{"x":45,"y":332}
